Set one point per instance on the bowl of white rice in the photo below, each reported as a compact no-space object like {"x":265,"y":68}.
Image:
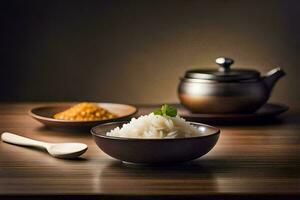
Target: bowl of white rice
{"x":155,"y":139}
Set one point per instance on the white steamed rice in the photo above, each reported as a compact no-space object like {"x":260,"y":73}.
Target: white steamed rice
{"x":154,"y":127}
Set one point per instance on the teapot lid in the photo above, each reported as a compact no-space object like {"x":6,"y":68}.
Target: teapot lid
{"x":224,"y":73}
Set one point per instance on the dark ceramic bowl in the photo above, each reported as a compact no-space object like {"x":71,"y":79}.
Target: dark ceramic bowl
{"x":155,"y":151}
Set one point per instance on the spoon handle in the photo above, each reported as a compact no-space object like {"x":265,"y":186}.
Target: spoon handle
{"x":20,"y":140}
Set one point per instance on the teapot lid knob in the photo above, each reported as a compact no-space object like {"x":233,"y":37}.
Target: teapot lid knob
{"x":224,"y":63}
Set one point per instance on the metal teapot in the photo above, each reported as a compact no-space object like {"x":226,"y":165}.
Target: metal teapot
{"x":226,"y":90}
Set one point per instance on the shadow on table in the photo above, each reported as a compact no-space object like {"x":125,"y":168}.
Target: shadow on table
{"x":131,"y":177}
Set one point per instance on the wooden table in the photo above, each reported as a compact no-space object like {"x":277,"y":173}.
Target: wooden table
{"x":261,"y":161}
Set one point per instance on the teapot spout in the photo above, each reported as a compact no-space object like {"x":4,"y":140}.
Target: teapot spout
{"x":272,"y":77}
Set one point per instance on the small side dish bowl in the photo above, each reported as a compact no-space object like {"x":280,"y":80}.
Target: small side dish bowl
{"x":44,"y":114}
{"x":155,"y":151}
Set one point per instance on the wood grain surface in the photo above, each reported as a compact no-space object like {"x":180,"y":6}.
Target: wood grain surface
{"x":259,"y":161}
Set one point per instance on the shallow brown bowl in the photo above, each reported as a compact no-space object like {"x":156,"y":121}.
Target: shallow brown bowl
{"x":155,"y":151}
{"x":45,"y":115}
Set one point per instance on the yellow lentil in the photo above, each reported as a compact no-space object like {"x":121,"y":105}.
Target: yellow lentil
{"x":85,"y":112}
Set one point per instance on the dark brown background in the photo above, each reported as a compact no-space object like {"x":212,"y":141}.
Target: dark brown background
{"x":134,"y":51}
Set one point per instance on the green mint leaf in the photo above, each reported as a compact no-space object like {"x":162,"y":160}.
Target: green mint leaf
{"x":166,"y":110}
{"x":171,"y":111}
{"x":157,"y":112}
